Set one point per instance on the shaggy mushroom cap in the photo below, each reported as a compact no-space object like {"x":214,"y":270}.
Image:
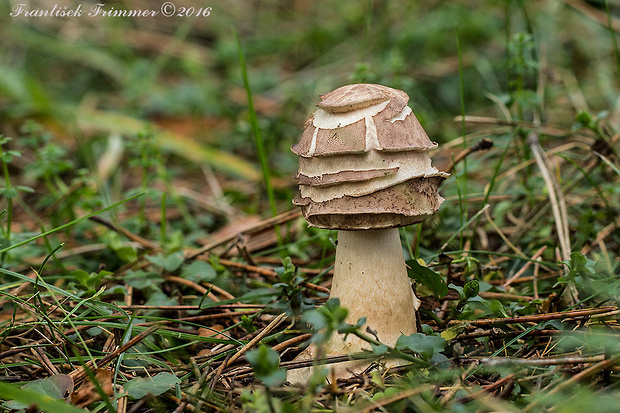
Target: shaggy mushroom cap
{"x":364,"y":162}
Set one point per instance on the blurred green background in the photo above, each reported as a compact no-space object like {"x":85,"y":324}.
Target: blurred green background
{"x":91,"y":85}
{"x":91,"y":76}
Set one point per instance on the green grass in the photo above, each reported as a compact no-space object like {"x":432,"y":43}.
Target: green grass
{"x":137,"y":142}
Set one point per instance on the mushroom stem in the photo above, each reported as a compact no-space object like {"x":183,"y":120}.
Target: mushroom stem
{"x":370,"y":279}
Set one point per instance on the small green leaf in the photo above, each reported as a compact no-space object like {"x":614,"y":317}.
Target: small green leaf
{"x":333,"y":313}
{"x":379,"y":350}
{"x":127,"y":254}
{"x":315,"y":319}
{"x":579,"y":265}
{"x":453,"y":332}
{"x":25,"y":189}
{"x":81,"y":276}
{"x":421,"y":344}
{"x":123,"y":251}
{"x":8,"y":192}
{"x":8,"y":156}
{"x":471,"y":289}
{"x":584,"y":118}
{"x":498,"y":308}
{"x":440,"y":360}
{"x":57,"y":387}
{"x":156,"y":385}
{"x":427,"y":277}
{"x":459,"y":290}
{"x":286,"y":273}
{"x":91,"y":281}
{"x":426,"y":329}
{"x":347,"y":329}
{"x":389,"y":392}
{"x":174,"y":261}
{"x":247,"y":324}
{"x":199,"y":271}
{"x":169,"y":263}
{"x":328,"y":318}
{"x":160,"y":299}
{"x":266,"y":364}
{"x":141,"y":279}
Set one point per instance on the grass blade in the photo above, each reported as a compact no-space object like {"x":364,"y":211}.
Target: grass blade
{"x":258,"y":140}
{"x":69,"y":224}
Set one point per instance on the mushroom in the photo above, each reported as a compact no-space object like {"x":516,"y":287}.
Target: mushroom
{"x":364,"y":169}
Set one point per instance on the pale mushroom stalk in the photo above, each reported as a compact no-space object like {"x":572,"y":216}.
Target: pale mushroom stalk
{"x":370,"y":279}
{"x":364,"y":170}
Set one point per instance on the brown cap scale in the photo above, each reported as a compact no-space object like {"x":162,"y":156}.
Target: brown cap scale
{"x":365,"y":170}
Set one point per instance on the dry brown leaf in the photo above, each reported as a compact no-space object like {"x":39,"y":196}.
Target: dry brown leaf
{"x":211,"y":332}
{"x":87,"y":394}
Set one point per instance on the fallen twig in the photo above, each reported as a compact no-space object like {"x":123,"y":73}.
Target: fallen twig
{"x":487,"y":389}
{"x":482,"y":145}
{"x":525,"y":266}
{"x":268,"y":223}
{"x":537,"y":318}
{"x":269,"y":273}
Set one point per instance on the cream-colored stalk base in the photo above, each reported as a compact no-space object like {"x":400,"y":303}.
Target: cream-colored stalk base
{"x":370,"y":279}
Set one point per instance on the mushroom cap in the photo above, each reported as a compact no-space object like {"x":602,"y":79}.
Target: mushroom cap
{"x":364,"y":162}
{"x":359,"y":118}
{"x":360,"y":95}
{"x":403,"y":204}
